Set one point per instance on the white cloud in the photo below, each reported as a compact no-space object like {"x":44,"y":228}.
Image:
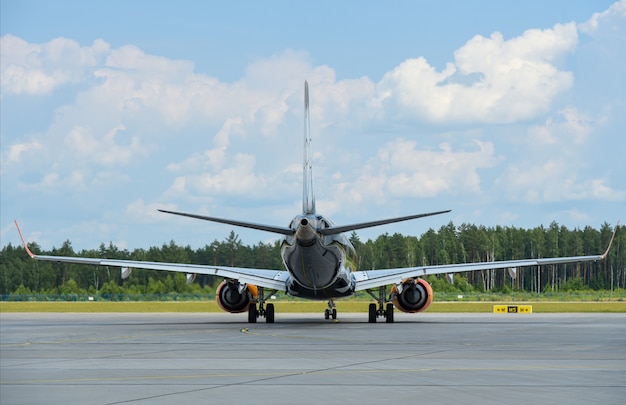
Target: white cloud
{"x":401,"y":170}
{"x":53,"y":181}
{"x":104,"y":150}
{"x":617,"y":9}
{"x":139,"y":211}
{"x":215,"y":171}
{"x":133,"y":60}
{"x":41,"y":68}
{"x":552,"y":181}
{"x":511,"y":80}
{"x":570,"y":127}
{"x":236,"y":179}
{"x":16,"y":151}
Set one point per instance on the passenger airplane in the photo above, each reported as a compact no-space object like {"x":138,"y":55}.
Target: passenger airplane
{"x":320,"y":263}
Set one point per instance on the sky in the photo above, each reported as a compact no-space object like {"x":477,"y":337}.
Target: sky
{"x":508,"y":113}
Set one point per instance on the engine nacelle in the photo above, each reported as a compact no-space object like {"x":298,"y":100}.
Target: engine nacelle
{"x":235,"y":297}
{"x":414,"y":295}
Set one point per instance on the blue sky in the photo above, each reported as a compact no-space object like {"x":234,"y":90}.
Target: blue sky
{"x":508,"y":113}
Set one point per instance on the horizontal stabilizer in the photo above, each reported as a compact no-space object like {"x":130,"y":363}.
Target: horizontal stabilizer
{"x":345,"y":228}
{"x":268,"y":228}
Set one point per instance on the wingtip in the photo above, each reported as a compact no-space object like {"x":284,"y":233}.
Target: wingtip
{"x":19,"y":231}
{"x":608,"y":248}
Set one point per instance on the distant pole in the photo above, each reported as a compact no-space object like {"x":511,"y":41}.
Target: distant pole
{"x":538,"y":279}
{"x":611,"y":294}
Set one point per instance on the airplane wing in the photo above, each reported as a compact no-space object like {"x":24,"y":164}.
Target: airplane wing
{"x":377,"y":278}
{"x":272,"y":279}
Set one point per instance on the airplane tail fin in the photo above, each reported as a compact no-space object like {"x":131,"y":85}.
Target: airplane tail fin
{"x":308,"y":198}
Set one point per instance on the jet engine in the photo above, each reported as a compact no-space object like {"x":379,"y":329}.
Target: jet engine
{"x":235,"y":297}
{"x":412,"y":295}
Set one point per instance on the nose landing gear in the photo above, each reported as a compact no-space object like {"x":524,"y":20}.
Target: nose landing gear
{"x":331,"y":311}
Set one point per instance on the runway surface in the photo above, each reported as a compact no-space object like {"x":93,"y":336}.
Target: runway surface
{"x":303,"y":359}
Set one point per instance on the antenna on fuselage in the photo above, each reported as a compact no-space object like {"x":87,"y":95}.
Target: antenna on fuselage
{"x":308,"y":199}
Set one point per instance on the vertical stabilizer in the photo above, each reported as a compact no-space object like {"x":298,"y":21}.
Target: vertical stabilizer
{"x":308,"y":199}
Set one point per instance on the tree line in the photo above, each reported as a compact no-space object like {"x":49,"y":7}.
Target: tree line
{"x":449,"y":244}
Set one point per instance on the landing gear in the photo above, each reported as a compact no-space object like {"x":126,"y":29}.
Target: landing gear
{"x":269,"y":313}
{"x":372,"y":313}
{"x":265,"y":311}
{"x":389,"y":313}
{"x":331,"y":311}
{"x":252,"y":313}
{"x":380,"y":310}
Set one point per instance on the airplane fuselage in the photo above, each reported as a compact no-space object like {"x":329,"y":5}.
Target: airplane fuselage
{"x":320,"y":267}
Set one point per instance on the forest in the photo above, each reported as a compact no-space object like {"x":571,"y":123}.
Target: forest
{"x":22,"y":277}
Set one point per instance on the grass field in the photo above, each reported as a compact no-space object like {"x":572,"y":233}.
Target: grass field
{"x":297,"y":306}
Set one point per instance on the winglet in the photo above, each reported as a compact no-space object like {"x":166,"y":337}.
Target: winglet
{"x":23,"y":241}
{"x":606,"y":253}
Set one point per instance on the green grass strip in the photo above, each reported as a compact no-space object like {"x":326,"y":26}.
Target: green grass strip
{"x":298,"y":306}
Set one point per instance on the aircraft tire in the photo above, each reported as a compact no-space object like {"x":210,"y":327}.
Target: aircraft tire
{"x":334,"y":314}
{"x":372,"y":313}
{"x":269,"y":313}
{"x":389,"y":313}
{"x":252,"y":313}
{"x":326,"y":314}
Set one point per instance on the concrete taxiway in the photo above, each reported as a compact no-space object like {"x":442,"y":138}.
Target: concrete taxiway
{"x":221,"y":359}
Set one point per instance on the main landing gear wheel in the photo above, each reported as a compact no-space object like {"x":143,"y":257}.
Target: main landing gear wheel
{"x":372,"y":313}
{"x":252,"y":314}
{"x":269,"y":313}
{"x":264,"y":310}
{"x":381,"y":309}
{"x":389,"y":313}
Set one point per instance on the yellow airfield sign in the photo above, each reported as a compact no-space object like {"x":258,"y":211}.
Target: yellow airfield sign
{"x":512,"y":309}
